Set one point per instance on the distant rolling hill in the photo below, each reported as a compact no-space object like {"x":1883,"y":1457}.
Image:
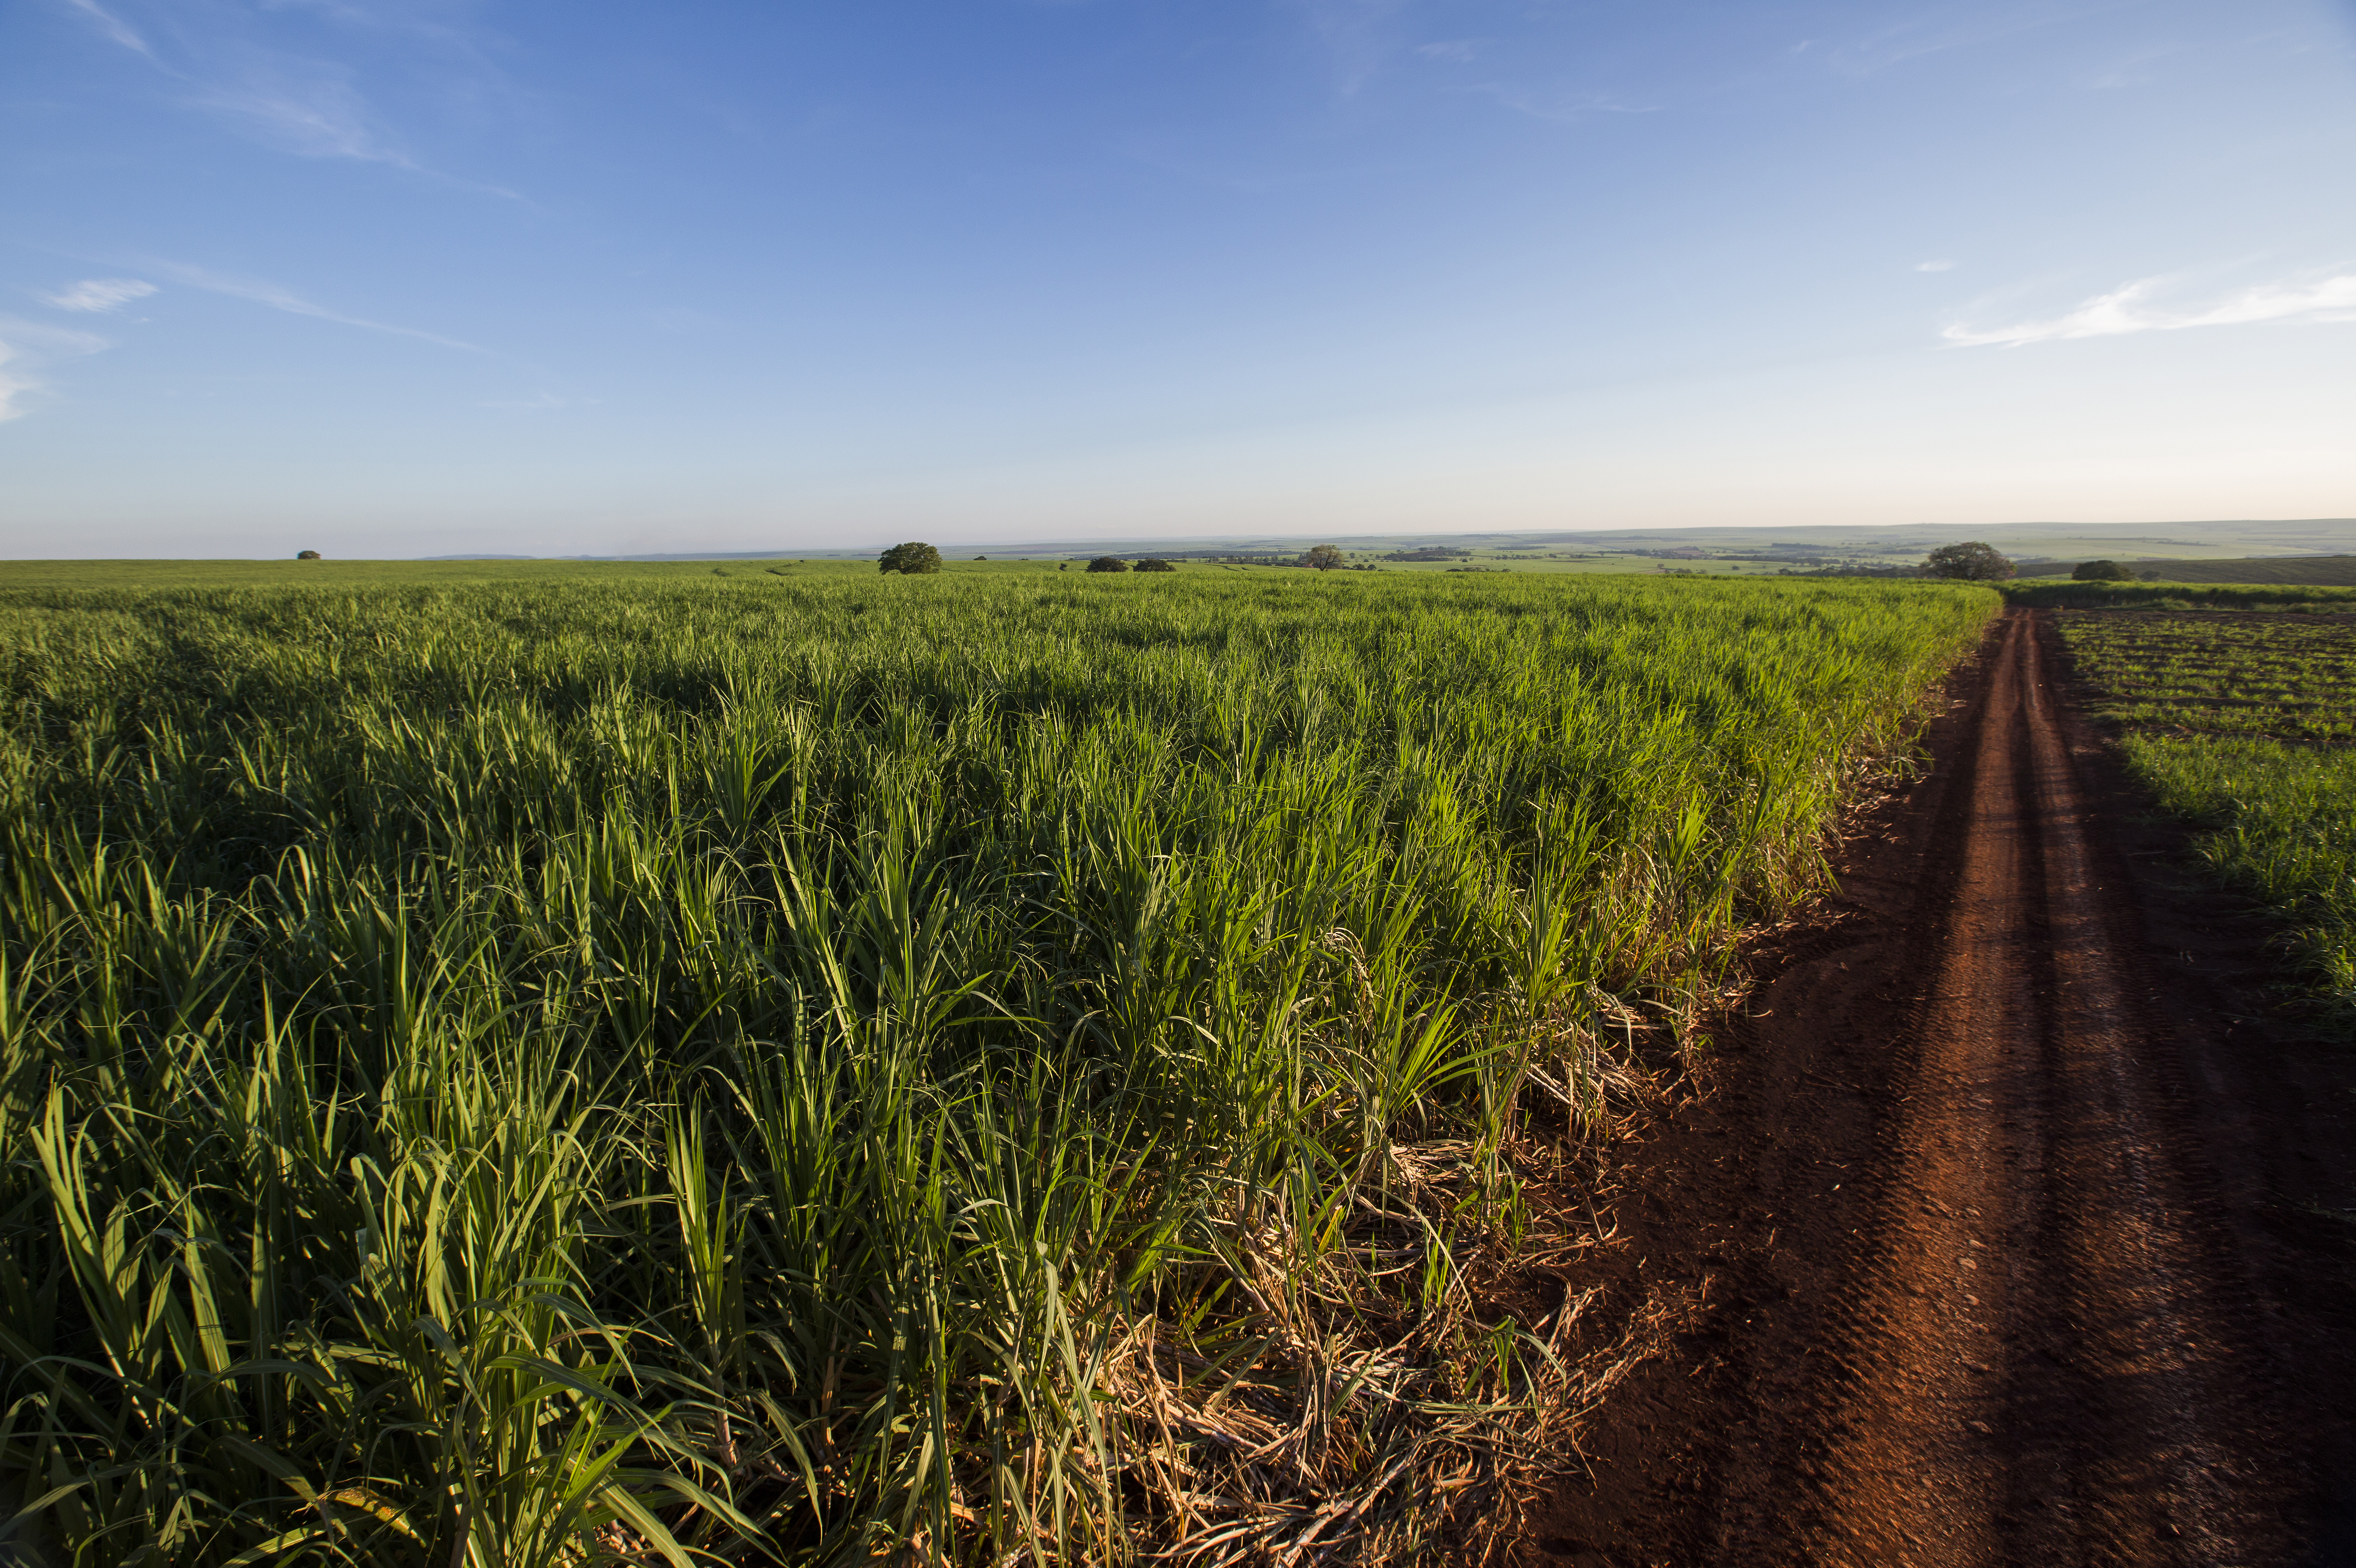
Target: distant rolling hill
{"x":2313,"y":570}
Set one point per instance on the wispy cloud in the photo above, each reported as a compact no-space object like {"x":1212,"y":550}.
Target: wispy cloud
{"x":225,"y":62}
{"x":1939,"y":28}
{"x":1935,"y":266}
{"x":113,"y":27}
{"x":263,"y":292}
{"x":100,"y":295}
{"x":1358,"y":35}
{"x":305,"y":106}
{"x":2136,"y":308}
{"x":537,"y":403}
{"x":1561,"y":107}
{"x":27,"y":347}
{"x":2136,"y":70}
{"x":13,"y":386}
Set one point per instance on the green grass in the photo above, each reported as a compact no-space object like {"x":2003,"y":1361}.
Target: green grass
{"x":2281,"y":823}
{"x":171,"y":574}
{"x":1003,"y":1067}
{"x":2039,"y":595}
{"x":2339,"y":571}
{"x":2242,"y":723}
{"x":154,"y":576}
{"x":2223,"y":673}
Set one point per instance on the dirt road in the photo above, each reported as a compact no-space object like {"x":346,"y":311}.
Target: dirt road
{"x":2019,"y":1237}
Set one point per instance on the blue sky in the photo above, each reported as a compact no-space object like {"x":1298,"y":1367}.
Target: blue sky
{"x":396,"y":279}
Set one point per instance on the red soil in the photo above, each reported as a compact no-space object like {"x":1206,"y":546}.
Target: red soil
{"x":2019,"y":1233}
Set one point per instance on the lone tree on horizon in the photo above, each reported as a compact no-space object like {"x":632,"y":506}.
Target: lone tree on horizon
{"x":1323,"y":557}
{"x":307,"y":555}
{"x":1107,"y":564}
{"x":912,"y":559}
{"x":1972,"y":563}
{"x":2101,"y":571}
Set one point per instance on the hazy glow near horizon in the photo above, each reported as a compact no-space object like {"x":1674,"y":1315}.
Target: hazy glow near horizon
{"x":387,"y":278}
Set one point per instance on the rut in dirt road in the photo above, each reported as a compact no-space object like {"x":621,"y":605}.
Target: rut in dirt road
{"x":1982,"y":1309}
{"x":2039,"y":1368}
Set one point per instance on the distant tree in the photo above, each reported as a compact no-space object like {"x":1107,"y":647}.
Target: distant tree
{"x":1107,"y":564}
{"x":1323,"y":557}
{"x":2103,"y":571}
{"x":307,"y":555}
{"x":1968,"y":563}
{"x":1066,"y":566}
{"x":1154,"y":563}
{"x":981,"y":557}
{"x":914,"y":559}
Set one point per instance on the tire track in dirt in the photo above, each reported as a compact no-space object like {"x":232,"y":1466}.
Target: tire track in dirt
{"x":1979,"y":1301}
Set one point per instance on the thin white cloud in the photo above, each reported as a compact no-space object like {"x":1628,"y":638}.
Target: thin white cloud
{"x":535,"y":404}
{"x":1358,"y":36}
{"x":1561,"y":108}
{"x":100,"y":295}
{"x":311,"y":108}
{"x":25,"y":347}
{"x":2136,"y":69}
{"x":113,"y":27}
{"x":12,"y":385}
{"x":305,"y":107}
{"x":296,"y":104}
{"x":1935,"y":266}
{"x":2132,"y":308}
{"x":263,"y":292}
{"x":1939,"y":28}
